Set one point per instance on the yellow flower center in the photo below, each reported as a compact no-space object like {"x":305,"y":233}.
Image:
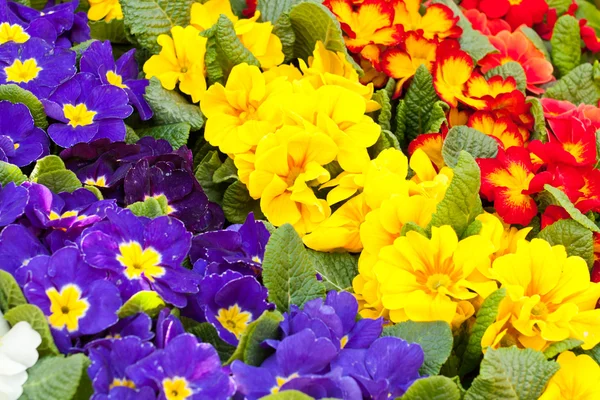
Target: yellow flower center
{"x":540,"y":310}
{"x":295,"y":171}
{"x":249,"y":113}
{"x":122,"y":383}
{"x":12,"y":33}
{"x":138,"y":261}
{"x":344,"y":341}
{"x":436,"y":281}
{"x":256,"y":259}
{"x":100,"y":182}
{"x":78,"y":115}
{"x":115,"y":79}
{"x":66,"y":307}
{"x":16,"y":145}
{"x":22,"y":71}
{"x":176,"y":388}
{"x":234,"y":319}
{"x":576,"y":150}
{"x":515,"y":2}
{"x":282,"y":381}
{"x":54,"y":216}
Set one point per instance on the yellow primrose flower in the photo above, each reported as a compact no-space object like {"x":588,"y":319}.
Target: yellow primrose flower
{"x":427,"y":181}
{"x":245,"y":110}
{"x":503,"y":236}
{"x":430,"y":279}
{"x":180,"y":60}
{"x":549,"y":298}
{"x":107,"y":9}
{"x":287,"y":166}
{"x":577,"y":379}
{"x":257,"y":37}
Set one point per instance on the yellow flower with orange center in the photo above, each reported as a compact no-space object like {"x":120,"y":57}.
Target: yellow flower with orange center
{"x":427,"y":181}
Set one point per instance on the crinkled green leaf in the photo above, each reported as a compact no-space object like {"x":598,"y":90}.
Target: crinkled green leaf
{"x":249,"y":349}
{"x":472,"y":41}
{"x":282,"y":28}
{"x":512,"y":374}
{"x":58,"y":378}
{"x":513,"y":69}
{"x":485,"y":317}
{"x":151,"y":207}
{"x":556,"y":348}
{"x":170,"y":107}
{"x":463,"y":138}
{"x":384,"y":115}
{"x":288,"y":271}
{"x":473,"y":229}
{"x":421,"y":110}
{"x":237,"y":204}
{"x":16,"y":94}
{"x":130,"y":136}
{"x":113,"y":31}
{"x":594,"y":353}
{"x":540,"y":132}
{"x":433,"y":388}
{"x":10,"y":293}
{"x":38,"y":321}
{"x":287,"y":395}
{"x":562,"y":200}
{"x":147,"y":19}
{"x":176,"y":134}
{"x":336,"y":269}
{"x":227,"y":172}
{"x":461,"y":204}
{"x":412,"y":226}
{"x":47,"y":164}
{"x":205,"y":175}
{"x":51,"y":172}
{"x":578,"y":241}
{"x":578,"y":86}
{"x":386,"y":140}
{"x":271,"y":10}
{"x":566,"y":51}
{"x":146,"y":301}
{"x":208,"y":334}
{"x":537,"y":41}
{"x":11,"y":173}
{"x":434,"y":337}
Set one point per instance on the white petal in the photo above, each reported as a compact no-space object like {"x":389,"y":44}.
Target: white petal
{"x":11,"y":387}
{"x":10,"y":367}
{"x":20,"y":344}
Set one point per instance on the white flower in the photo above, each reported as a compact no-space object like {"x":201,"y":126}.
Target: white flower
{"x":18,"y":351}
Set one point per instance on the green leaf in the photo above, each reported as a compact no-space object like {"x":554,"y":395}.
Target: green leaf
{"x":594,"y":353}
{"x":147,"y":19}
{"x":336,"y":269}
{"x":57,"y":378}
{"x":312,"y":22}
{"x":11,"y":173}
{"x":288,"y":271}
{"x":561,"y":6}
{"x":287,"y":395}
{"x":578,"y":86}
{"x":96,"y":191}
{"x":462,"y":203}
{"x":51,"y":172}
{"x":113,"y":31}
{"x":575,"y":214}
{"x":421,"y":110}
{"x":151,"y":207}
{"x":176,"y":134}
{"x":473,"y":229}
{"x":227,"y":172}
{"x":588,"y":11}
{"x":249,"y":349}
{"x":472,"y":41}
{"x":537,"y":41}
{"x":556,"y":348}
{"x":486,"y":316}
{"x":146,"y":301}
{"x":130,"y":136}
{"x":463,"y":138}
{"x":540,"y":132}
{"x":412,"y":226}
{"x":271,"y":10}
{"x":45,"y":165}
{"x":10,"y":293}
{"x":513,"y":69}
{"x":81,"y":47}
{"x":384,"y":115}
{"x":434,"y":337}
{"x":237,"y":204}
{"x":566,"y":50}
{"x":38,"y":321}
{"x":16,"y":94}
{"x":205,"y":175}
{"x":170,"y":107}
{"x":511,"y":373}
{"x":433,"y":388}
{"x":578,"y":241}
{"x":208,"y":334}
{"x":284,"y":31}
{"x":386,"y":140}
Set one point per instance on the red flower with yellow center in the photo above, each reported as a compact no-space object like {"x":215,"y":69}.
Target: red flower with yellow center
{"x":438,"y":22}
{"x":515,"y":12}
{"x":502,"y":129}
{"x":496,"y":94}
{"x":431,"y":144}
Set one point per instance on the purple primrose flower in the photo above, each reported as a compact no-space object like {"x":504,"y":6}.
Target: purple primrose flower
{"x":21,"y":142}
{"x":13,"y":200}
{"x":18,"y":245}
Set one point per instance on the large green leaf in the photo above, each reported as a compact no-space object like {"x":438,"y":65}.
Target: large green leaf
{"x":566,"y":51}
{"x":513,"y":69}
{"x":460,"y":138}
{"x":578,"y":241}
{"x":10,"y":293}
{"x":562,"y":200}
{"x":176,"y":134}
{"x":16,"y":94}
{"x":237,"y":204}
{"x":336,"y":269}
{"x":433,"y":388}
{"x":578,"y":86}
{"x":38,"y":321}
{"x":288,"y":271}
{"x":58,"y":378}
{"x":250,"y":349}
{"x":11,"y":173}
{"x":271,"y":10}
{"x":170,"y":107}
{"x":113,"y":31}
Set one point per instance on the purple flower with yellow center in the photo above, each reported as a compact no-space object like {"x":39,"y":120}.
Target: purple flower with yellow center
{"x":108,"y":370}
{"x":18,"y":245}
{"x":301,"y":363}
{"x":231,"y":301}
{"x":13,"y":200}
{"x":15,"y":29}
{"x":98,"y":59}
{"x":142,"y":254}
{"x":184,"y":370}
{"x":21,"y":142}
{"x":138,"y":325}
{"x":239,"y":248}
{"x":76,"y":298}
{"x":86,"y":110}
{"x":36,"y":66}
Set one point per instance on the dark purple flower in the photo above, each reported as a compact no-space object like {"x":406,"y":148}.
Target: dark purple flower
{"x":385,"y":370}
{"x":108,"y":370}
{"x":36,"y":66}
{"x":77,"y":299}
{"x":138,"y":325}
{"x":86,"y":110}
{"x":98,"y":59}
{"x":185,"y":369}
{"x":14,"y":29}
{"x":168,"y":327}
{"x":13,"y":200}
{"x":142,"y":254}
{"x":79,"y":32}
{"x":231,"y":301}
{"x":21,"y":142}
{"x":239,"y":248}
{"x":17,"y":247}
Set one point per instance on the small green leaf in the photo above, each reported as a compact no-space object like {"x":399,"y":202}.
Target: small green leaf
{"x":45,"y":165}
{"x":38,"y":321}
{"x":284,"y":31}
{"x":205,"y":174}
{"x":540,"y":132}
{"x":146,"y":301}
{"x":11,"y":173}
{"x":208,"y":334}
{"x":176,"y":134}
{"x":556,"y":348}
{"x":578,"y":86}
{"x":170,"y":107}
{"x":51,"y":172}
{"x":288,"y":271}
{"x":384,"y":115}
{"x":227,"y":172}
{"x":434,"y":337}
{"x":578,"y":241}
{"x":594,"y":353}
{"x":386,"y":140}
{"x":566,"y":50}
{"x":249,"y":349}
{"x":412,"y":226}
{"x":96,"y":191}
{"x":237,"y":204}
{"x":337,"y":269}
{"x":16,"y":94}
{"x":463,"y":138}
{"x":130,"y":136}
{"x":561,"y":198}
{"x":81,"y":47}
{"x":152,"y":207}
{"x":513,"y":69}
{"x":287,"y":395}
{"x":57,"y":378}
{"x":537,"y":41}
{"x":433,"y":388}
{"x":10,"y":293}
